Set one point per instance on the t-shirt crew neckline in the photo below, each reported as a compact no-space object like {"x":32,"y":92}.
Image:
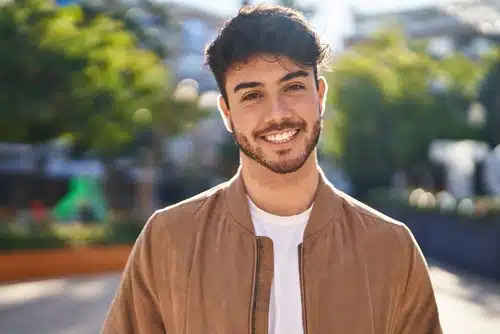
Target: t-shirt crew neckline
{"x":260,"y":214}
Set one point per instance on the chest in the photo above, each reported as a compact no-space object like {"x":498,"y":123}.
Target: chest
{"x":228,"y":289}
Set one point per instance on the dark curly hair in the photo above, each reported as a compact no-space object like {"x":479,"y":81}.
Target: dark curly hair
{"x":264,"y":29}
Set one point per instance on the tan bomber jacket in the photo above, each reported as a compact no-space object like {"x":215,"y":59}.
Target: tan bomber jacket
{"x":198,"y":268}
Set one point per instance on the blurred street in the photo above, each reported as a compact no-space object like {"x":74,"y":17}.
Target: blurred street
{"x":468,"y":304}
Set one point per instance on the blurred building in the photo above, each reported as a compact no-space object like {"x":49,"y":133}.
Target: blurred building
{"x":198,"y":147}
{"x":40,"y":172}
{"x":17,"y":158}
{"x":467,"y":26}
{"x":197,"y":27}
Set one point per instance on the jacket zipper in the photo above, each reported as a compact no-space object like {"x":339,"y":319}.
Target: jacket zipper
{"x":302,"y":287}
{"x":255,"y":284}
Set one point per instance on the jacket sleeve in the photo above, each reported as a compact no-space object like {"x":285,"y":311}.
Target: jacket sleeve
{"x":135,"y":308}
{"x":418,"y":312}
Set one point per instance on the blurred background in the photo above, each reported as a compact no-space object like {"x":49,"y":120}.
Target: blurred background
{"x":107,"y":113}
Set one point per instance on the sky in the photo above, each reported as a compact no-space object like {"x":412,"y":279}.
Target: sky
{"x":333,"y":18}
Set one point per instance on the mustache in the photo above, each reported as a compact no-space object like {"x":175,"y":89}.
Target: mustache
{"x":284,"y":125}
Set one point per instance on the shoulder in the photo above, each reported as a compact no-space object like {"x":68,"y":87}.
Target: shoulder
{"x":371,"y":225}
{"x":187,"y":215}
{"x":386,"y":245}
{"x":172,"y":232}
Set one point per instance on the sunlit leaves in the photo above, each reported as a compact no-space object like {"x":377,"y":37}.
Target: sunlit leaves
{"x":390,"y":99}
{"x":64,"y":72}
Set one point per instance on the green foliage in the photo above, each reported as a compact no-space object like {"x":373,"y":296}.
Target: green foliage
{"x":387,"y":110}
{"x":12,"y":238}
{"x":60,"y":236}
{"x":118,"y":233}
{"x":65,"y":73}
{"x":490,"y":98}
{"x":148,"y":21}
{"x":76,"y":234}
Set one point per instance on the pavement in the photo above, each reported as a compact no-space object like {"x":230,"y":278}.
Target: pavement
{"x":467,"y":304}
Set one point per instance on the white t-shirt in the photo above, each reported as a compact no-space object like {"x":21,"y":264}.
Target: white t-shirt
{"x":285,"y":313}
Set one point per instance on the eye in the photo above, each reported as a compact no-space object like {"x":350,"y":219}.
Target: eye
{"x":251,"y":96}
{"x":294,"y":87}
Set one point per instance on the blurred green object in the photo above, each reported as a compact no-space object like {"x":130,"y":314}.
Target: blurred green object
{"x":54,"y":236}
{"x":87,"y":62}
{"x":84,"y":201}
{"x":391,"y":99}
{"x":490,"y":98}
{"x":120,"y":233}
{"x":14,"y":239}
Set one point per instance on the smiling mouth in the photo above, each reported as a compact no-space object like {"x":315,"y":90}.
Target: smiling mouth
{"x":282,"y":137}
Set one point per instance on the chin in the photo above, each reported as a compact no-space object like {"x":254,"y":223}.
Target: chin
{"x":286,"y":165}
{"x":285,"y":169}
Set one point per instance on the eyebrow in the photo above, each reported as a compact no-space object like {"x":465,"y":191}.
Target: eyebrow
{"x":244,"y":85}
{"x":293,"y":75}
{"x":287,"y":77}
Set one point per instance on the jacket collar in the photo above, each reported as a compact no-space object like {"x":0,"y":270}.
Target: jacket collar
{"x":327,"y":204}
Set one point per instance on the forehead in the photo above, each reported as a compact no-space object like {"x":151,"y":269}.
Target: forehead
{"x":263,"y":68}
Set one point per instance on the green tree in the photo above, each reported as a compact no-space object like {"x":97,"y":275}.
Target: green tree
{"x":391,"y":100}
{"x":490,"y":98}
{"x":62,"y":73}
{"x":149,"y":21}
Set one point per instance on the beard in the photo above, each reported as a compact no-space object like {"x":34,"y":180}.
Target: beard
{"x":285,"y":166}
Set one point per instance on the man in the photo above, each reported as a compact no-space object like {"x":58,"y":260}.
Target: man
{"x":277,"y":249}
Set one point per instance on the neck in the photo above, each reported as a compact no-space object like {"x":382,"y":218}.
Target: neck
{"x":281,"y":194}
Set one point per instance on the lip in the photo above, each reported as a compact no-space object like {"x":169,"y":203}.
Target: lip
{"x":288,"y":143}
{"x":276,"y":132}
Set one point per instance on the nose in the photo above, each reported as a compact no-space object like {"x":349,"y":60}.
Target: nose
{"x":278,"y":110}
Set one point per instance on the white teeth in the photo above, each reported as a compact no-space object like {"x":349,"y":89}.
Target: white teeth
{"x":281,"y":137}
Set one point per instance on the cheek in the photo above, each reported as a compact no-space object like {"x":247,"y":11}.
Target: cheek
{"x":244,"y":124}
{"x":302,"y":103}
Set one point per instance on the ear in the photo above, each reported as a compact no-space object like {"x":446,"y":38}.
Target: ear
{"x":322,"y":92}
{"x":224,"y":112}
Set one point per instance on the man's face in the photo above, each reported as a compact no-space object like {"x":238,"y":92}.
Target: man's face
{"x":275,"y":111}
